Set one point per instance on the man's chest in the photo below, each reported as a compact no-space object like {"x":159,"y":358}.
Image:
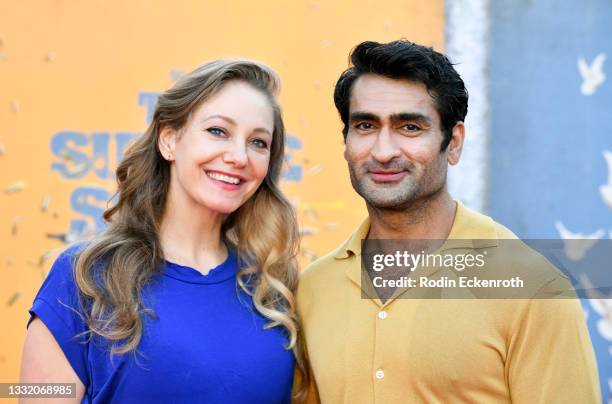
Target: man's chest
{"x":410,"y":345}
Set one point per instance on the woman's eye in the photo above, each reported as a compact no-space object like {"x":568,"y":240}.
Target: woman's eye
{"x":216,"y":131}
{"x":259,"y":143}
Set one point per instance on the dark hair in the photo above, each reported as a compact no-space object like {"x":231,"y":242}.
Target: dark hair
{"x":406,"y":60}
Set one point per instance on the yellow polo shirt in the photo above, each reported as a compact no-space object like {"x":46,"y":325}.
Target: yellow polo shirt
{"x":442,"y":351}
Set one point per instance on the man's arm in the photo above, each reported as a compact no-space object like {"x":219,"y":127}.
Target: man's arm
{"x":550,"y":357}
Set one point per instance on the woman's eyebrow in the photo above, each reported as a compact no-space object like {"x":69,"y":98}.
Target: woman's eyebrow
{"x":231,"y":121}
{"x":262,"y":130}
{"x":225,"y":118}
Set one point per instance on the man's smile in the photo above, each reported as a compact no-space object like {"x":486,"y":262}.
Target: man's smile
{"x":387,"y":175}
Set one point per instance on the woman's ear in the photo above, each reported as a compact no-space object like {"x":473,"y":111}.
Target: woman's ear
{"x":166,"y":142}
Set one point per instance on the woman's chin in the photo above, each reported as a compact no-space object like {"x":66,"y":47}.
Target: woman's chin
{"x":222,"y":208}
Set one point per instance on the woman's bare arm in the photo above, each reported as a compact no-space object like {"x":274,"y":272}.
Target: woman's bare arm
{"x":43,"y":361}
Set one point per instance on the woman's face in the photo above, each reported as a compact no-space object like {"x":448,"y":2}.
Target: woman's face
{"x":221,"y":155}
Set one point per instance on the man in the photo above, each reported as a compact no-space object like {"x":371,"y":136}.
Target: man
{"x":403,"y":107}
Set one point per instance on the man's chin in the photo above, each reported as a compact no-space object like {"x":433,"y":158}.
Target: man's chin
{"x":387,"y":203}
{"x":390,"y":207}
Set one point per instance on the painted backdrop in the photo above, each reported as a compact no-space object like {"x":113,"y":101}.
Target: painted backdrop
{"x":78,"y":81}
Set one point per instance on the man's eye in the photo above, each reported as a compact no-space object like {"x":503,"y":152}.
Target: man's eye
{"x":411,"y":127}
{"x":364,"y":126}
{"x":259,"y":143}
{"x":216,"y":131}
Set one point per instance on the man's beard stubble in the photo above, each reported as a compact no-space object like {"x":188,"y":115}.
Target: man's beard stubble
{"x":408,"y":192}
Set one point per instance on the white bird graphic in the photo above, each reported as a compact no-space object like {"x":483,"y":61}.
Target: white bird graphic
{"x":606,"y":189}
{"x":603,"y":307}
{"x":592,"y":76}
{"x":576,"y":245}
{"x":600,"y":305}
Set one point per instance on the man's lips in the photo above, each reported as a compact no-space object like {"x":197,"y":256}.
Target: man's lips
{"x":387,"y":176}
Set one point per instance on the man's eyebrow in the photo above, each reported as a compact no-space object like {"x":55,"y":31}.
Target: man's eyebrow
{"x":398,"y":117}
{"x":363,"y":116}
{"x":410,"y":116}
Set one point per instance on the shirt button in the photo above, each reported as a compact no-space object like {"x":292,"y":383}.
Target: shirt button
{"x":382,"y":314}
{"x":379,"y":374}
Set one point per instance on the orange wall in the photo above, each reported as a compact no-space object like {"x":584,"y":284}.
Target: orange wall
{"x":80,"y":66}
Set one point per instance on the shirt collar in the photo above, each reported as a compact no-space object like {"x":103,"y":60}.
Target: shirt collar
{"x":470,"y":229}
{"x":353,"y":244}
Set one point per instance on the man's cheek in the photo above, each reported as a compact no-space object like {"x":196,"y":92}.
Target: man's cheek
{"x":351,"y":159}
{"x":350,"y":154}
{"x":358,"y":170}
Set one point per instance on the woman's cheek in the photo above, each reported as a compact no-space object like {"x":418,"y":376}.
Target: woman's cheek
{"x":261,"y":165}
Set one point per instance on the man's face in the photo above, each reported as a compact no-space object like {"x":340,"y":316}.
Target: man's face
{"x":393,"y":143}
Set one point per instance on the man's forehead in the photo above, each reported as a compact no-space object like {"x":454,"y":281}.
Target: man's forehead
{"x":383,"y":95}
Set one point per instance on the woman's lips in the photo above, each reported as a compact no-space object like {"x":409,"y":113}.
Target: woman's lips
{"x":224,"y":185}
{"x":392,"y":176}
{"x":221,"y":179}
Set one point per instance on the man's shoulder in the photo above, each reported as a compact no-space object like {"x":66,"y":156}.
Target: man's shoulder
{"x":322,"y":265}
{"x":340,"y":257}
{"x":529,"y":262}
{"x":502,"y":231}
{"x":512,"y":256}
{"x":473,"y":224}
{"x":322,"y":280}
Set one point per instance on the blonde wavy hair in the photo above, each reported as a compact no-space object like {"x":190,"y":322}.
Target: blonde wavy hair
{"x":263,"y":231}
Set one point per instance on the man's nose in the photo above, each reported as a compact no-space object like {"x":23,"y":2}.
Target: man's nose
{"x":385,"y":149}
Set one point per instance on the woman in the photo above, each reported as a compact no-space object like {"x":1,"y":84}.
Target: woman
{"x":188,"y":294}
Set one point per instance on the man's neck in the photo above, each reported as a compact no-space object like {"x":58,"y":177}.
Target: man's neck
{"x":430,"y":219}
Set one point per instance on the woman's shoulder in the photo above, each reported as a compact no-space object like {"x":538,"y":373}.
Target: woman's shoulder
{"x":63,"y":266}
{"x":59,"y":284}
{"x":57,"y":305}
{"x":70,"y":253}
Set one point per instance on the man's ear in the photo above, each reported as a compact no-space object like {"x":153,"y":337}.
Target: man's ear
{"x":453,"y":151}
{"x":166,"y":142}
{"x":346,"y":153}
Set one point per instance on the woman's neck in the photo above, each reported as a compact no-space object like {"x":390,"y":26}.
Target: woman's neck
{"x":190,"y":234}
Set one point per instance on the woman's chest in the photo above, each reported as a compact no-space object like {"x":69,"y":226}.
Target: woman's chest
{"x":202,"y":345}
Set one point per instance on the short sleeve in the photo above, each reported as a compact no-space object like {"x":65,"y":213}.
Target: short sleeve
{"x":57,"y":305}
{"x":551,"y":359}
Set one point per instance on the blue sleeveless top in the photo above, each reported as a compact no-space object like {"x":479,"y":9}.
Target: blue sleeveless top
{"x":207,"y":343}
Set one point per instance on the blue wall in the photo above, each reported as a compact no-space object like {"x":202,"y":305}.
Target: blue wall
{"x":547,"y":138}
